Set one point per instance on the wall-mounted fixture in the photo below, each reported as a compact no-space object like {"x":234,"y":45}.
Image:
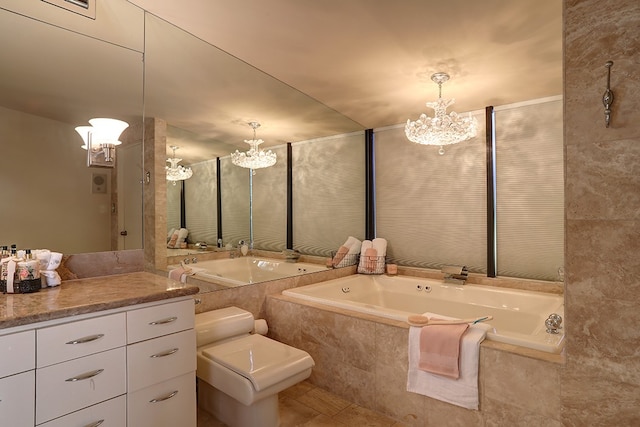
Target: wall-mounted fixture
{"x":607,"y":98}
{"x":255,"y":158}
{"x":100,"y":140}
{"x":177,"y":172}
{"x":442,"y":129}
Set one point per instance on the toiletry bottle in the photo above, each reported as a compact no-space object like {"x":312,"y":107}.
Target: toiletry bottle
{"x":3,"y":268}
{"x":27,"y":276}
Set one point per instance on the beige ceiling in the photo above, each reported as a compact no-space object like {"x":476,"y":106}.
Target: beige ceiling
{"x":371,"y":60}
{"x":302,"y":68}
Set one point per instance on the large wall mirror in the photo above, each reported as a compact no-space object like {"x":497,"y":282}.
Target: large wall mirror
{"x":207,"y":98}
{"x":58,"y":70}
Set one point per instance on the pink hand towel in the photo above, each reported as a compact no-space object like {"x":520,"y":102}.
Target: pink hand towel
{"x":176,"y":273}
{"x":440,"y":349}
{"x":342,"y":251}
{"x":371,"y":260}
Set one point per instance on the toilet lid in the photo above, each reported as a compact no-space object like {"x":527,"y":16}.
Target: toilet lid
{"x":261,"y":360}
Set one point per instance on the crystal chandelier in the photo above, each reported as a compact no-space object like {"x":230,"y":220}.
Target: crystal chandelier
{"x":177,"y":172}
{"x":442,"y":129}
{"x":255,"y":158}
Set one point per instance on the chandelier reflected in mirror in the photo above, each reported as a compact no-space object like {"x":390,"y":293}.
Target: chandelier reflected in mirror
{"x":176,"y":172}
{"x":255,"y":158}
{"x":442,"y":129}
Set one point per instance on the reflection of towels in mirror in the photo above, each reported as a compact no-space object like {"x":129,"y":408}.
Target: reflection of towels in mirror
{"x":178,"y":239}
{"x":346,"y":252}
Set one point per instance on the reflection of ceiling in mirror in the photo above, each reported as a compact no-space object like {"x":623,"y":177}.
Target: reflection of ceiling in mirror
{"x":371,"y":61}
{"x":72,"y":75}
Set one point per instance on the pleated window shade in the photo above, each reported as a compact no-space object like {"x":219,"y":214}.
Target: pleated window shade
{"x":328,"y":192}
{"x":270,"y":204}
{"x":173,"y":206}
{"x":432,"y":208}
{"x":530,"y":189}
{"x":234,"y":183}
{"x":200,"y":194}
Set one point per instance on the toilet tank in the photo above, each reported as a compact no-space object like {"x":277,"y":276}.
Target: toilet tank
{"x":216,"y":325}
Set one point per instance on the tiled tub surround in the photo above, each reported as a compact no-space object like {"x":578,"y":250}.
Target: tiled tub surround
{"x":363,"y":359}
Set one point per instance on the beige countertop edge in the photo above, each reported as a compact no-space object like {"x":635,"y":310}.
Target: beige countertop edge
{"x":82,"y":296}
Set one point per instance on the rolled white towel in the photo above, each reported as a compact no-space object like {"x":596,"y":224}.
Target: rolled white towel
{"x":344,"y":256}
{"x":380,"y":245}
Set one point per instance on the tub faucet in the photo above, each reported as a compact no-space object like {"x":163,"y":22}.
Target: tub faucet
{"x":291,"y":255}
{"x":455,"y":275}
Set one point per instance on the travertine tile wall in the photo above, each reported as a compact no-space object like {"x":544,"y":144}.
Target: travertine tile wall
{"x":365,"y":362}
{"x":600,"y":385}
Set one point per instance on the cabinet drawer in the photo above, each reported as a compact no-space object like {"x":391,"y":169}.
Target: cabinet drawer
{"x":17,"y":399}
{"x":77,"y":339}
{"x":168,"y":404}
{"x":17,"y":353}
{"x":112,"y":413}
{"x":73,"y":385}
{"x":153,"y":361}
{"x":152,"y":322}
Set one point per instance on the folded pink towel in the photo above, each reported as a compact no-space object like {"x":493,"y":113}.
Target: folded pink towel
{"x":342,"y":251}
{"x":176,"y":273}
{"x":440,"y":349}
{"x":370,"y":260}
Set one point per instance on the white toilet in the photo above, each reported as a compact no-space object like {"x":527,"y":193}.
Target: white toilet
{"x":240,"y":374}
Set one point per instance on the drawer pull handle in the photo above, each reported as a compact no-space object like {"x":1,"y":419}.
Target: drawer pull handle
{"x":164,"y":353}
{"x":164,"y":321}
{"x":83,"y":340}
{"x":96,"y":424}
{"x":85,"y":376}
{"x":163,"y":398}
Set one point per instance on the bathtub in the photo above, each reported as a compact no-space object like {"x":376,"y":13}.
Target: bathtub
{"x":518,"y":316}
{"x":248,"y":269}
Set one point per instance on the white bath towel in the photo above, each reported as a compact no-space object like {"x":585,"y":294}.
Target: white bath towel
{"x":461,"y":392}
{"x":345,"y":258}
{"x":380,"y":245}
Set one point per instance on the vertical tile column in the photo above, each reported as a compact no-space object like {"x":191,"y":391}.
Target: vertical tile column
{"x":155,"y":194}
{"x":601,"y":381}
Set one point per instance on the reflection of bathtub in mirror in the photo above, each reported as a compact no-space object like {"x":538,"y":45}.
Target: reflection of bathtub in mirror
{"x":232,"y":272}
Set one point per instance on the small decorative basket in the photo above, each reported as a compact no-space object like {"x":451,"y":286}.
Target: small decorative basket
{"x":346,"y":261}
{"x":371,"y":264}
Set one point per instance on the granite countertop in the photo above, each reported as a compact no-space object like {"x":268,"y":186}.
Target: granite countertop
{"x":82,"y":296}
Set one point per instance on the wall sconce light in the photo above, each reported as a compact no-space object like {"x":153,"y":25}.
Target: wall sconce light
{"x":100,"y":140}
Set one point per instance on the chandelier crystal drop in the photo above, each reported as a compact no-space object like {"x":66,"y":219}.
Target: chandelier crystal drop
{"x":177,"y":172}
{"x":255,"y":158}
{"x":442,"y":129}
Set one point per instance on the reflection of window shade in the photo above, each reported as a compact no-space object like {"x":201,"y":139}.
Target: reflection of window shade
{"x":235,"y":202}
{"x":530,"y":188}
{"x":200,"y":197}
{"x":270,"y":204}
{"x":432,"y":208}
{"x":328,"y":193}
{"x":173,"y":206}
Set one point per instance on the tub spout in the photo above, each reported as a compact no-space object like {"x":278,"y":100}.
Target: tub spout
{"x":291,"y":255}
{"x":455,"y":275}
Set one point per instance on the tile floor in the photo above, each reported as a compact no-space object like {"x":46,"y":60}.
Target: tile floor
{"x":307,"y":405}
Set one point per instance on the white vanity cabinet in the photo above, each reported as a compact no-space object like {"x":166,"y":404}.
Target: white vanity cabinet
{"x":132,"y":366}
{"x":161,"y":361}
{"x":17,"y":378}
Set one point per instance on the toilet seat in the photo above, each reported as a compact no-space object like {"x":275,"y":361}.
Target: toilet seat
{"x":261,"y":360}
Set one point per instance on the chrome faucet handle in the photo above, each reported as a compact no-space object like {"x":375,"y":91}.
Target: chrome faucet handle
{"x":553,"y":323}
{"x":186,"y":260}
